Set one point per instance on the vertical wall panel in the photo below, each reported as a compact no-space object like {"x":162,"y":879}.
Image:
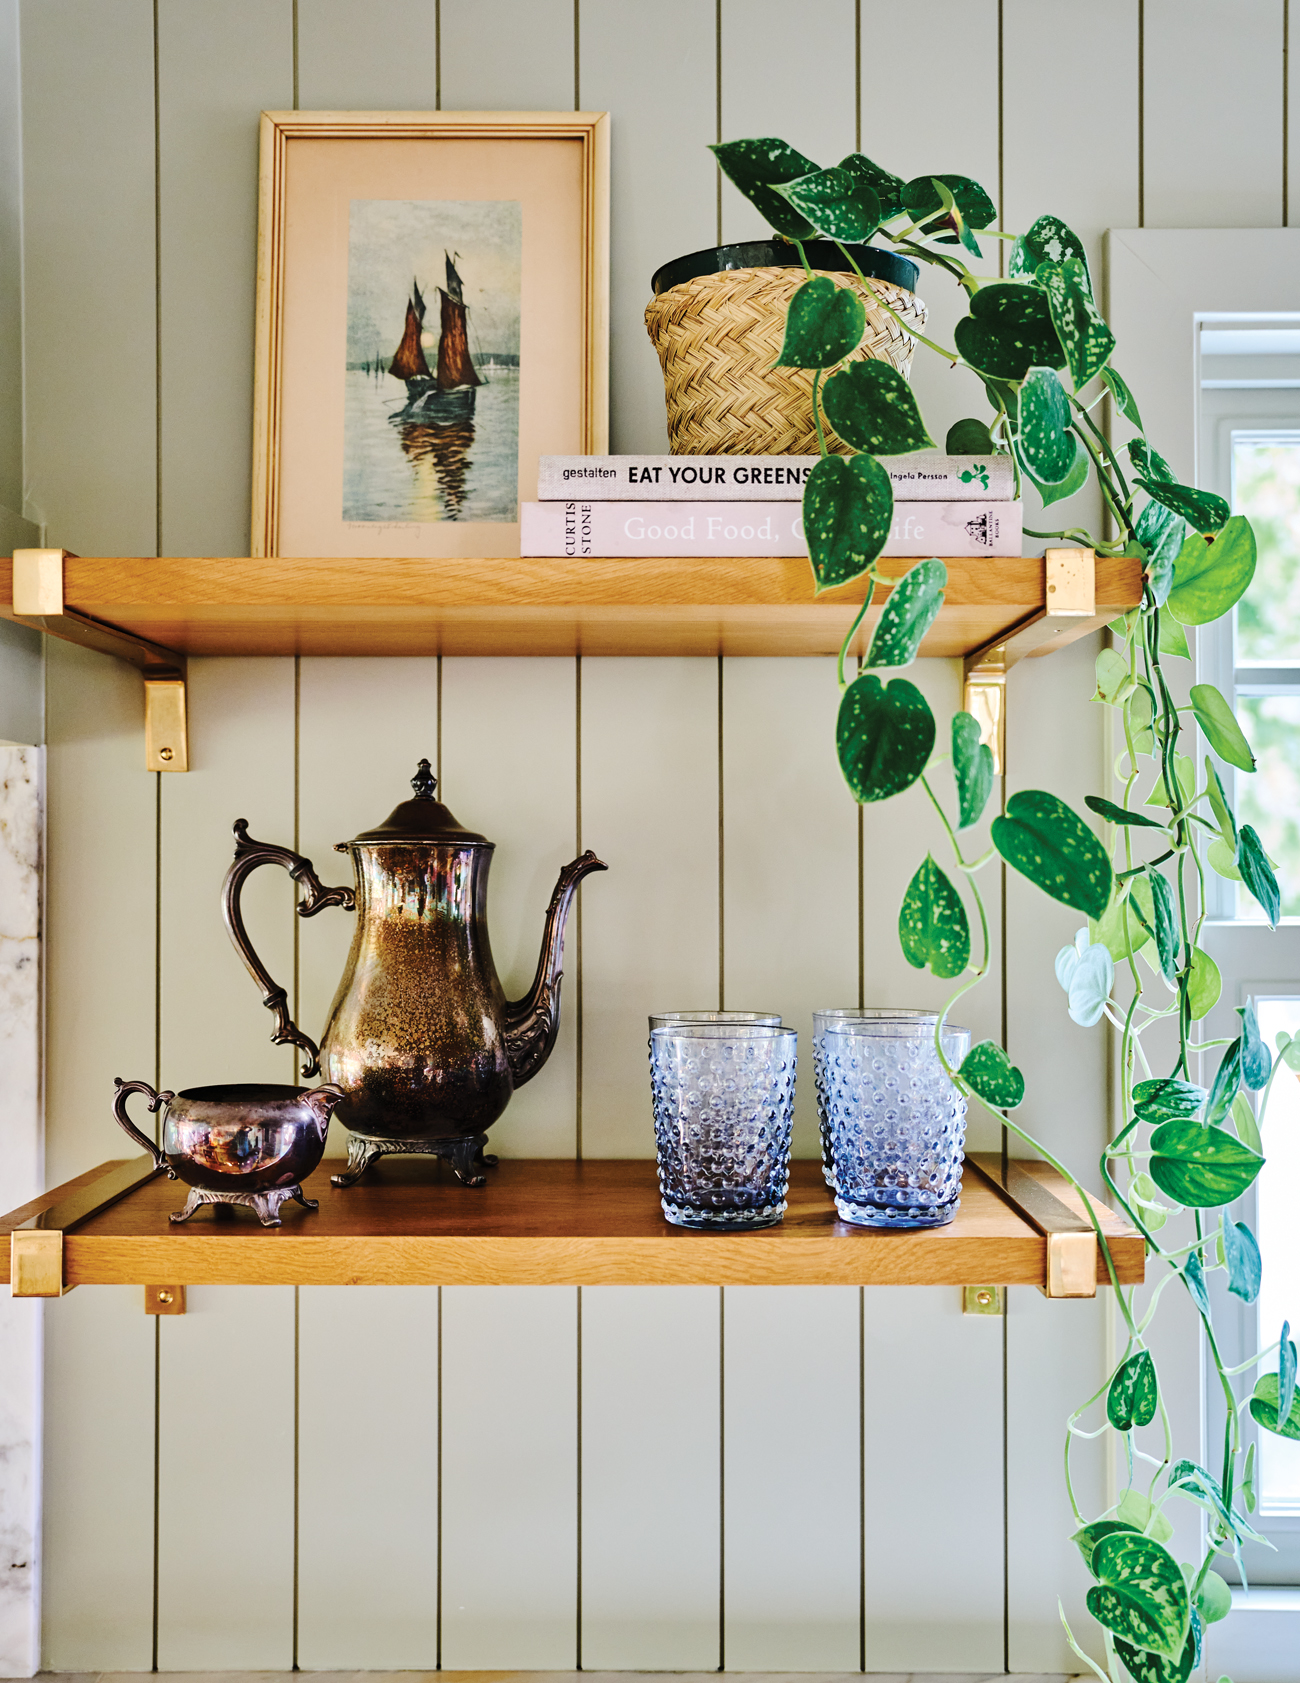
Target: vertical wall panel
{"x":225,"y":1481}
{"x":368,"y":1478}
{"x":367,"y":55}
{"x":226,"y":1379}
{"x":509,"y":1469}
{"x":650,"y":809}
{"x":509,"y":771}
{"x":663,"y":181}
{"x":932,"y":1450}
{"x":88,"y":259}
{"x":1208,"y":163}
{"x":97,"y":1566}
{"x":217,"y":69}
{"x":791,"y":1448}
{"x":786,"y":79}
{"x":650,"y":1478}
{"x":507,"y":55}
{"x":11,"y":265}
{"x":791,"y":876}
{"x":99,"y":922}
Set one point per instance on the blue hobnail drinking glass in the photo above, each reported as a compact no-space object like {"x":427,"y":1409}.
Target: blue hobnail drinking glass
{"x":822,"y":1021}
{"x":723,"y":1098}
{"x":897,"y":1123}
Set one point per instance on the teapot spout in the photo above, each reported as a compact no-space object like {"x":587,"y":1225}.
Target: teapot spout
{"x":533,"y":1022}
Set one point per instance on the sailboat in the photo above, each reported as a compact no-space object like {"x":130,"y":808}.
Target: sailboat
{"x":448,"y":395}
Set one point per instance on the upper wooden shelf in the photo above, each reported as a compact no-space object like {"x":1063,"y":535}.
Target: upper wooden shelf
{"x":145,"y":609}
{"x":560,"y":1223}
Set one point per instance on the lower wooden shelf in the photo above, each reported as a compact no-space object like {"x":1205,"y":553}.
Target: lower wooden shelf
{"x":552,"y":1222}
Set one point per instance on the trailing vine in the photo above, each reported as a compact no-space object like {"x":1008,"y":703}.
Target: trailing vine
{"x":1042,"y":350}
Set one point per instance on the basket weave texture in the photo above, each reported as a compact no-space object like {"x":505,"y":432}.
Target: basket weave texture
{"x":718,"y":337}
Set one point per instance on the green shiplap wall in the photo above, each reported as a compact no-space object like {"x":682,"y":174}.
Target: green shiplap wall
{"x":492,"y":1478}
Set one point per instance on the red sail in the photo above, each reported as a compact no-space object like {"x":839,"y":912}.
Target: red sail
{"x":454,"y":365}
{"x":409,"y":361}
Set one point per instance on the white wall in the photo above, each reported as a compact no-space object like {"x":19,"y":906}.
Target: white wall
{"x":584,"y":1439}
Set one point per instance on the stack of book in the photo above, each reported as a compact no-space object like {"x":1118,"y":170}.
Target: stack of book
{"x":750,"y":505}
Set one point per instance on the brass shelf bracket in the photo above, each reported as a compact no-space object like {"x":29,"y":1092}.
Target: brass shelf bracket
{"x":1070,"y":595}
{"x":36,"y":1245}
{"x":1071,"y":1269}
{"x":38,"y":602}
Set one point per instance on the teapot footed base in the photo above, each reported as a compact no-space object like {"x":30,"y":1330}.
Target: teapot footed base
{"x":266,"y":1205}
{"x":465,"y":1154}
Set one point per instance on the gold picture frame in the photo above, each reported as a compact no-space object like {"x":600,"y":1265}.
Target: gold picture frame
{"x":326,"y":480}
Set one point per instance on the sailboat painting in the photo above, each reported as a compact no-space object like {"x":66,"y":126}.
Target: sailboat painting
{"x":431,"y":413}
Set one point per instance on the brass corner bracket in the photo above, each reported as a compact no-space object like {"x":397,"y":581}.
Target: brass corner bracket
{"x":38,"y":602}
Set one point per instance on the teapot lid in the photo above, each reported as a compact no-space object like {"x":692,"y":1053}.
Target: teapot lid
{"x":423,"y":819}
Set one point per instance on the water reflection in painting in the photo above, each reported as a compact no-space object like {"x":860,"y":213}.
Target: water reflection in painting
{"x":431,"y":426}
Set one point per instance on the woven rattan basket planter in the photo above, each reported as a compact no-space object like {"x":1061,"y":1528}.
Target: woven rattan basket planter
{"x":717,"y":321}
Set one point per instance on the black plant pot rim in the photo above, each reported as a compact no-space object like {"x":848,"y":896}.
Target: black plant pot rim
{"x":782,"y":254}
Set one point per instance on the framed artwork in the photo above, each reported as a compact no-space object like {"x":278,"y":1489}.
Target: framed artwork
{"x":432,"y":316}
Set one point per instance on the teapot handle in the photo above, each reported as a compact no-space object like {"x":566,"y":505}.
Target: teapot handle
{"x":249,"y":854}
{"x":156,"y":1101}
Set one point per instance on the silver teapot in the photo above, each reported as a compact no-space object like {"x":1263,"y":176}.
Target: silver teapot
{"x":420,"y":1036}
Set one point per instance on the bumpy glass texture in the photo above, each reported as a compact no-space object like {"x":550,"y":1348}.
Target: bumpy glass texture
{"x":723,"y":1109}
{"x":897,"y":1124}
{"x":823,"y":1022}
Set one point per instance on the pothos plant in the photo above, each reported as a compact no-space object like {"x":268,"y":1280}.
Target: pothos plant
{"x":1039,"y":344}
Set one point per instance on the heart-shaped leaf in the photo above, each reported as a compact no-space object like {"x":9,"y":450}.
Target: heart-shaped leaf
{"x":1087,"y":973}
{"x":1124,"y":400}
{"x":1194,"y":1280}
{"x":1223,"y":859}
{"x":1225,"y":1086}
{"x":1141,"y":1595}
{"x":1210,"y":578}
{"x":1219,"y":805}
{"x":838,"y":202}
{"x":1201,"y":1167}
{"x":1047,"y":446}
{"x":1166,"y":925}
{"x":1133,"y":1394}
{"x":873,"y":408}
{"x":1121,"y":928}
{"x":908,"y":614}
{"x":887,"y":188}
{"x":1086,"y":338}
{"x":992,"y":1076}
{"x":1139,"y":1512}
{"x":932,"y":925}
{"x":1204,"y":984}
{"x":1165,"y":1098}
{"x":921,"y":199}
{"x":1220,"y":726}
{"x":1243,"y":1120}
{"x":848,"y":504}
{"x":972,"y":764}
{"x":1044,"y":840}
{"x":1162,"y":534}
{"x":757,"y":167}
{"x":1256,"y":1059}
{"x":1257,"y":874}
{"x":1009,"y":331}
{"x":1119,"y":814}
{"x":884,"y":736}
{"x":1213,"y":1599}
{"x":1241,"y":1253}
{"x":1148,"y":462}
{"x":1194,"y":1484}
{"x":968,"y":438}
{"x":1048,"y":241}
{"x":1185,"y":773}
{"x":1075,"y":476}
{"x":1201,"y":509}
{"x":1146,"y":1667}
{"x":1286,"y":1372}
{"x":823,"y":325}
{"x":1089,"y":1536}
{"x":1142,"y":1192}
{"x":1173,"y":639}
{"x":1265,"y":1412}
{"x":1288,"y":1049}
{"x":1115,"y":682}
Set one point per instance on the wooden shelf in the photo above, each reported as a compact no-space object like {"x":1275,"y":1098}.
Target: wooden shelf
{"x":559,"y":1223}
{"x":149,"y":610}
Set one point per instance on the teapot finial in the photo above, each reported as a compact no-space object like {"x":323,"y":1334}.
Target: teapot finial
{"x":424,"y":782}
